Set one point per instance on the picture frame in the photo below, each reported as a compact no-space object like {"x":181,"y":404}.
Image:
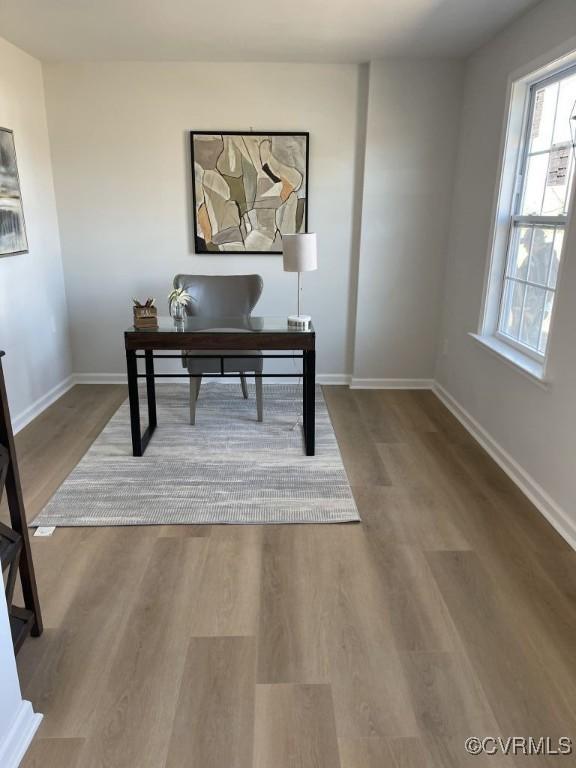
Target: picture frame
{"x":13,"y":237}
{"x":249,"y":188}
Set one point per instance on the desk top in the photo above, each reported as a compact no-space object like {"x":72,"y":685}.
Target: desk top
{"x":223,"y":325}
{"x":221,"y":333}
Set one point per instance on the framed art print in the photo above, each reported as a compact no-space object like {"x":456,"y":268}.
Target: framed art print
{"x":12,"y":228}
{"x":249,"y":189}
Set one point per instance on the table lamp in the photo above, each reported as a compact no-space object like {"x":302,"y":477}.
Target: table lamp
{"x":300,"y":255}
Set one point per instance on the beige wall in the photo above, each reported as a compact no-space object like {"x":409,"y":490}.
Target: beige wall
{"x":33,"y":317}
{"x":119,"y":140}
{"x":122,"y":172}
{"x":534,"y":426}
{"x":411,"y":141}
{"x":382,"y":154}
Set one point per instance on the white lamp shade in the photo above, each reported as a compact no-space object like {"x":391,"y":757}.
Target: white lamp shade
{"x":300,"y":254}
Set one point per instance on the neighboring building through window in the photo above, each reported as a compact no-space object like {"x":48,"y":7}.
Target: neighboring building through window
{"x":542,"y":194}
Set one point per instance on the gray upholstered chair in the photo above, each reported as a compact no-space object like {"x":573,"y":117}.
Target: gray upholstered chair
{"x":222,"y":296}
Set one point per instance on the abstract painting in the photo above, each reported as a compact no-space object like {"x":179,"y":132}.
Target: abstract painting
{"x":12,"y":228}
{"x":249,"y":189}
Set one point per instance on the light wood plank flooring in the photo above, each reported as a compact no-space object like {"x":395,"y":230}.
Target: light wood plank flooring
{"x":449,"y":612}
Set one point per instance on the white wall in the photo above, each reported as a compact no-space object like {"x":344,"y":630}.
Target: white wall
{"x":412,"y":135}
{"x":33,"y":317}
{"x":18,"y":723}
{"x":119,"y":134}
{"x":535,"y":426}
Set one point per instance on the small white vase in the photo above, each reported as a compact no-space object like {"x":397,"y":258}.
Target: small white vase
{"x":177,"y":311}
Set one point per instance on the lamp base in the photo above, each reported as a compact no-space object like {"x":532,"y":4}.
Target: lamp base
{"x":299,"y":321}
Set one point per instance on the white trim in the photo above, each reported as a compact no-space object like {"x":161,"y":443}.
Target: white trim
{"x":545,"y":504}
{"x":555,"y":515}
{"x":560,"y":57}
{"x":35,"y":409}
{"x":358,"y":383}
{"x":333,"y":379}
{"x":522,"y":349}
{"x":511,"y":139}
{"x":326,"y":379}
{"x":524,"y":364}
{"x":99,"y":378}
{"x":513,"y":146}
{"x":20,"y":735}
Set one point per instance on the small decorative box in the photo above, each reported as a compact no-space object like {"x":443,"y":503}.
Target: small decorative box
{"x":145,"y":315}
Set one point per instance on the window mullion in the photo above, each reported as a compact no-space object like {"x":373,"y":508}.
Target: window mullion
{"x":555,"y":118}
{"x":551,"y":257}
{"x":569,"y":179}
{"x":522,"y":310}
{"x":523,"y":302}
{"x":539,"y":221}
{"x":538,"y":152}
{"x":529,"y":283}
{"x":542,"y":320}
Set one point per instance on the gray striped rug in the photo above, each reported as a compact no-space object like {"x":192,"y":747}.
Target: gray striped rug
{"x":226,"y":469}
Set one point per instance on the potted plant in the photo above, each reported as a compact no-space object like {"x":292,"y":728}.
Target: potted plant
{"x":178,"y":300}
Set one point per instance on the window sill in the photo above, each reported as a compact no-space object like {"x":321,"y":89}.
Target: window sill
{"x":526,"y":365}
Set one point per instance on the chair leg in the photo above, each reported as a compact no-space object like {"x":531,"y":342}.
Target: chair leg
{"x":194,"y":391}
{"x":259,"y":403}
{"x":244,"y":386}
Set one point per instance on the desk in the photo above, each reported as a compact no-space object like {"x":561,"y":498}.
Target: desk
{"x":212,"y":335}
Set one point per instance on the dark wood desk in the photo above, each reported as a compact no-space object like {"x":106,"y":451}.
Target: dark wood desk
{"x":214,"y":335}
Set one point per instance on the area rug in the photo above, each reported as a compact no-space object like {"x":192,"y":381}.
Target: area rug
{"x":228,"y":468}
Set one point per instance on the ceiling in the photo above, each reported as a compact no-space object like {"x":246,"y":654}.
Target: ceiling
{"x":252,"y":30}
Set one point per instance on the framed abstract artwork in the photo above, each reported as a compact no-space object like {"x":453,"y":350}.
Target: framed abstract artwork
{"x":249,"y":189}
{"x":12,"y":228}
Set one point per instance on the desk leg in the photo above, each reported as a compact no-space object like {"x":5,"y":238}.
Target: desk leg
{"x":150,"y":389}
{"x":309,"y":404}
{"x":132,"y":368}
{"x":304,"y":395}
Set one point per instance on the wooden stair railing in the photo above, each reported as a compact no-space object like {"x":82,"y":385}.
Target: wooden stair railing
{"x":15,"y":552}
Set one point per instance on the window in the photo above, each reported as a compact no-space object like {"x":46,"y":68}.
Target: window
{"x":541,"y":196}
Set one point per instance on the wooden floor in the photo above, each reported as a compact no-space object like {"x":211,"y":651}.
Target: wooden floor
{"x":449,"y":612}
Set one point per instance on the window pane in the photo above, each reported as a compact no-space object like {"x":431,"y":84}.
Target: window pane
{"x":566,"y":99}
{"x":556,"y":253}
{"x":546,"y":322}
{"x":532,"y":316}
{"x":536,"y":173}
{"x":559,"y":162}
{"x":535,"y":247}
{"x":520,"y":251}
{"x":570,"y":180}
{"x":547,"y":173}
{"x":540,"y":255}
{"x":543,"y":118}
{"x":512,"y":308}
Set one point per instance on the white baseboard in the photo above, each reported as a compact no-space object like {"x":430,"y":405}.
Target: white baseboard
{"x":357,"y":383}
{"x":120,"y":378}
{"x":28,"y":414}
{"x":545,"y":504}
{"x":333,"y":379}
{"x":19,"y":737}
{"x":555,"y":515}
{"x":100,"y":378}
{"x":326,"y":379}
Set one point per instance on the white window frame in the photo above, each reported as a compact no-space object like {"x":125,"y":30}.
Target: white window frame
{"x":509,"y":192}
